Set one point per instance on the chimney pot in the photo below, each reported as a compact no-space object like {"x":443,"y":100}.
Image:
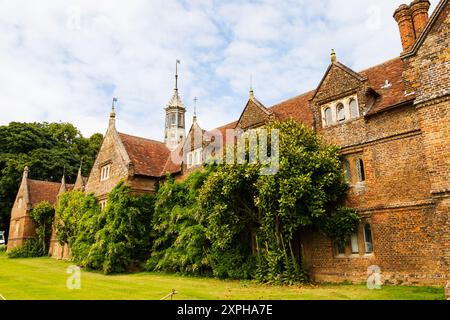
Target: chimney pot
{"x":405,"y":24}
{"x":419,"y":13}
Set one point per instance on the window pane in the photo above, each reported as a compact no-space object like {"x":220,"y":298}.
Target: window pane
{"x":368,"y":238}
{"x":354,"y":243}
{"x":353,"y":109}
{"x":360,"y":170}
{"x":328,"y":118}
{"x":340,"y":248}
{"x":341,"y":112}
{"x":181,"y":120}
{"x":348,"y":176}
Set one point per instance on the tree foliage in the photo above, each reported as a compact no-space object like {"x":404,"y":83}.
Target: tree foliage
{"x":234,"y":222}
{"x":43,"y":214}
{"x":244,"y":209}
{"x":112,"y":240}
{"x":179,"y":242}
{"x":48,"y":149}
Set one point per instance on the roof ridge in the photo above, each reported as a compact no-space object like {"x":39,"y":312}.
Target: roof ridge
{"x":45,"y":181}
{"x":295,"y":97}
{"x":132,"y":136}
{"x":380,"y":64}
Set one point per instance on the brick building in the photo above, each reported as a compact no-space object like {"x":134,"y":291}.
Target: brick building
{"x":392,"y":124}
{"x":32,"y":192}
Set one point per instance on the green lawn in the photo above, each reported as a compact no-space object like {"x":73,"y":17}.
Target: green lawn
{"x":45,"y":278}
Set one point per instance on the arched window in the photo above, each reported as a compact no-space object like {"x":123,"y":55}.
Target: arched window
{"x":348,"y":176}
{"x":340,"y":112}
{"x":354,"y":112}
{"x":360,"y":170}
{"x":328,"y":116}
{"x":368,"y":238}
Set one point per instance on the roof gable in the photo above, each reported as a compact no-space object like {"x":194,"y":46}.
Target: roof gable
{"x":254,"y":114}
{"x":338,"y":80}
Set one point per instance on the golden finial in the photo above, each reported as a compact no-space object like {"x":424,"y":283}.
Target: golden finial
{"x":333,"y":56}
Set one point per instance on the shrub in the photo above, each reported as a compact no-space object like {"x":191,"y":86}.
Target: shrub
{"x":31,"y":248}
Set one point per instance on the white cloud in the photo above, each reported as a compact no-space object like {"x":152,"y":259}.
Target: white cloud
{"x":65,"y":61}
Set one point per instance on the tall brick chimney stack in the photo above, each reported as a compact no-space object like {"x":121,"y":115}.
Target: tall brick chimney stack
{"x":405,"y":23}
{"x":419,"y":13}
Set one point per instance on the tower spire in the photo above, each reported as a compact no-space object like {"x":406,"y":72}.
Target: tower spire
{"x":112,"y":115}
{"x":195,"y":110}
{"x":251,"y":93}
{"x":177,"y":62}
{"x":175,"y":122}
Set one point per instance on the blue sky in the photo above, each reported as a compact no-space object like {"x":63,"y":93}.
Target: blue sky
{"x":65,"y":60}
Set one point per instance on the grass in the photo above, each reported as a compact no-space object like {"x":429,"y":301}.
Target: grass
{"x":45,"y":278}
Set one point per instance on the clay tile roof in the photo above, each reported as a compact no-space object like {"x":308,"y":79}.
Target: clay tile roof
{"x":394,"y":93}
{"x":149,"y":157}
{"x":296,"y":108}
{"x":43,"y":191}
{"x":170,"y":166}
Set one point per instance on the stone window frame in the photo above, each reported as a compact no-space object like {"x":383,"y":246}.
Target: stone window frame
{"x":333,"y":106}
{"x":347,"y":170}
{"x":350,"y":109}
{"x":105,"y":171}
{"x":340,"y":112}
{"x":360,"y":169}
{"x":354,"y":236}
{"x":103,"y":203}
{"x":360,"y":241}
{"x":194,"y":157}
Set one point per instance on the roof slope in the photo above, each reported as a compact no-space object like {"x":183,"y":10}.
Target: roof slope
{"x":149,"y":157}
{"x":391,"y":70}
{"x":296,"y":108}
{"x":43,"y":191}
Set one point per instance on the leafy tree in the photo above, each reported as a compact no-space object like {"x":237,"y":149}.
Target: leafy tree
{"x":231,"y":219}
{"x":77,"y":219}
{"x":307,"y":191}
{"x":42,"y":215}
{"x":112,"y":240}
{"x":179,"y":242}
{"x":48,"y":149}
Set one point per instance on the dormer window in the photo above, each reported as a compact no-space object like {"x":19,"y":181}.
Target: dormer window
{"x":104,"y":172}
{"x":340,"y":112}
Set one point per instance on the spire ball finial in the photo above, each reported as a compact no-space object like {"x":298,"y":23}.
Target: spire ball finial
{"x":333,"y":56}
